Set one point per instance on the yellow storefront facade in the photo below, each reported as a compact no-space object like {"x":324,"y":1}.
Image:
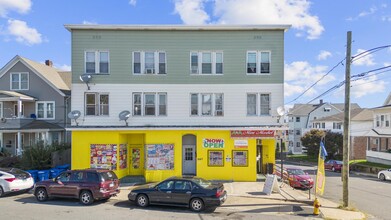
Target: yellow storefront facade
{"x":232,"y":155}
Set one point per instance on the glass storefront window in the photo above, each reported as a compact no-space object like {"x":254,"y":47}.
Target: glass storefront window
{"x":239,"y":158}
{"x":215,"y":158}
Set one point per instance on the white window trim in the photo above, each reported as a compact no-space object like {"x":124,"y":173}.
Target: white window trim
{"x":1,"y":109}
{"x":256,"y":104}
{"x":97,"y":104}
{"x":97,"y":61}
{"x":156,"y":62}
{"x":15,"y":113}
{"x":45,"y":110}
{"x":157,"y":103}
{"x":258,"y":64}
{"x":213,"y":60}
{"x":213,"y":105}
{"x":270,"y":104}
{"x":20,"y":80}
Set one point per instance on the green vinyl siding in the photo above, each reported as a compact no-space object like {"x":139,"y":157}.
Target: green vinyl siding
{"x":177,"y":45}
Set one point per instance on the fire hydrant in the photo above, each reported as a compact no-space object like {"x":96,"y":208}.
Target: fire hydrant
{"x":316,"y":206}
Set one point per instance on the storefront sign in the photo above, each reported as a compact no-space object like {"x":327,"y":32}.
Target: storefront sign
{"x":241,"y":143}
{"x":252,"y":133}
{"x":213,"y":143}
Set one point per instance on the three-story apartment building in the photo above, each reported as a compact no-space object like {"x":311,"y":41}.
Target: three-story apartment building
{"x":160,"y":101}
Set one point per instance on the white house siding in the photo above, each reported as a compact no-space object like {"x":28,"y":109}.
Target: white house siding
{"x":178,"y":104}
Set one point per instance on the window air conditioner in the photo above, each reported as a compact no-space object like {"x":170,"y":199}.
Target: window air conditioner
{"x":149,"y":70}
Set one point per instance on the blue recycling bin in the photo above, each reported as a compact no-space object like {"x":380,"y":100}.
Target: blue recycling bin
{"x":34,"y":174}
{"x":54,"y":172}
{"x":43,"y":175}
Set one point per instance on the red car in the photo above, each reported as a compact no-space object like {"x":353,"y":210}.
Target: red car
{"x":333,"y":165}
{"x":86,"y":185}
{"x":299,"y":179}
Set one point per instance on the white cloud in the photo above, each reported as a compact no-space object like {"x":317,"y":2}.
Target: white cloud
{"x":323,"y":55}
{"x":89,"y":22}
{"x":386,"y":64}
{"x":191,"y":11}
{"x":20,"y":6}
{"x":300,"y":75}
{"x":63,"y":67}
{"x":370,"y":85}
{"x":253,"y":12}
{"x":133,"y":2}
{"x":364,"y":59}
{"x":23,"y":33}
{"x":372,"y":10}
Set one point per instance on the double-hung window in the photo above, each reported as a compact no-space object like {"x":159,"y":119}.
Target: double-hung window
{"x":149,"y":62}
{"x":258,"y":62}
{"x":96,"y":104}
{"x":149,"y":104}
{"x":19,"y":81}
{"x":208,"y":104}
{"x":258,"y":104}
{"x":97,"y":62}
{"x":45,"y":110}
{"x":206,"y":62}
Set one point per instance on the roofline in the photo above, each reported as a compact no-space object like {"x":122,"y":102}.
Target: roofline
{"x":195,"y":127}
{"x":71,"y":27}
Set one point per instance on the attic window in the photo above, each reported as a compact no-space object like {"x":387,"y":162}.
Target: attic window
{"x":327,"y":109}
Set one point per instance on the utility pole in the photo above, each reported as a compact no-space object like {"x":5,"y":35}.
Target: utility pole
{"x":346,"y":133}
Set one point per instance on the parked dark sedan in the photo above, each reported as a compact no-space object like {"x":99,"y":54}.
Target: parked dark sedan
{"x":196,"y":193}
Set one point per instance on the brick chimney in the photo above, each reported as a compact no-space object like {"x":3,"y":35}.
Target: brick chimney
{"x":49,"y":63}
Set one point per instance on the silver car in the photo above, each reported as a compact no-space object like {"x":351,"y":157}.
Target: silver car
{"x":14,"y":180}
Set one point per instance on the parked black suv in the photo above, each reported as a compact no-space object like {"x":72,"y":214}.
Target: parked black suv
{"x":86,"y":185}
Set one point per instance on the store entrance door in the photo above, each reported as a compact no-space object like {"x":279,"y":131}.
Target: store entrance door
{"x":136,"y":160}
{"x":189,"y":155}
{"x":259,"y":159}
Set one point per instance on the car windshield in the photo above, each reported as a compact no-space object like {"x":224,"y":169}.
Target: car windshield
{"x":202,"y":182}
{"x":338,"y":162}
{"x":296,"y":172}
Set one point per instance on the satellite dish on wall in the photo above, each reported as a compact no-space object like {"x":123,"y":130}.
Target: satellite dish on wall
{"x":281,"y":111}
{"x":86,"y":78}
{"x":124,"y":115}
{"x":75,"y":114}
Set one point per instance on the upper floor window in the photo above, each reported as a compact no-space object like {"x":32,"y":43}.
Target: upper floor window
{"x":297,"y":119}
{"x":149,"y":62}
{"x":151,"y":104}
{"x":45,"y":110}
{"x":96,"y":104}
{"x":258,"y":62}
{"x":382,"y":121}
{"x":337,"y":125}
{"x":19,"y":81}
{"x":327,"y":109}
{"x":97,"y":62}
{"x":208,"y":104}
{"x":206,"y":62}
{"x":262,"y":100}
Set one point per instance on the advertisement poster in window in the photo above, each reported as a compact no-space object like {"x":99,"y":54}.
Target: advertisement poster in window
{"x":103,"y":156}
{"x":123,"y":154}
{"x":239,"y":158}
{"x":136,"y":158}
{"x":216,"y":158}
{"x":160,"y":156}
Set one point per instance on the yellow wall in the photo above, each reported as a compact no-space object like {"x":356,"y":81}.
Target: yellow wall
{"x":81,"y":141}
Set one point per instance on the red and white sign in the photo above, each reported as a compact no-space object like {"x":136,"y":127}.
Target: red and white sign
{"x":252,"y":133}
{"x":241,"y":143}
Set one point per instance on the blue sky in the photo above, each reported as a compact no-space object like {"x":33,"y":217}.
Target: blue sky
{"x":313,"y":46}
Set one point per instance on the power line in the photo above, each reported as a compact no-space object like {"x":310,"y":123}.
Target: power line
{"x":368,"y":52}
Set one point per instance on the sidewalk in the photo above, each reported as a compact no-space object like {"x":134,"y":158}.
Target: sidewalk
{"x":248,"y":197}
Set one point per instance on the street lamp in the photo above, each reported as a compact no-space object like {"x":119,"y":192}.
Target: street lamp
{"x":281,"y":113}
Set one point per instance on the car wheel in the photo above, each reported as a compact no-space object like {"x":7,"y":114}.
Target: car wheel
{"x":1,"y":191}
{"x":333,"y":169}
{"x":196,"y":205}
{"x":86,"y":197}
{"x":142,"y":200}
{"x":382,"y":177}
{"x":41,"y":194}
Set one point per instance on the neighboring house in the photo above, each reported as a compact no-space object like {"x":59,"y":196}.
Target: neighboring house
{"x":34,"y":100}
{"x":162,"y":101}
{"x":379,"y":138}
{"x":361,"y":121}
{"x":304,"y":117}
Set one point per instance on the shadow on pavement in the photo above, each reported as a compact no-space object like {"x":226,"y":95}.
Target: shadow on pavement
{"x":57,"y":202}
